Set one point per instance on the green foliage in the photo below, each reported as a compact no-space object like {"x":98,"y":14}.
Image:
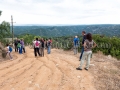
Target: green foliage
{"x":0,"y":13}
{"x":4,"y":31}
{"x":108,"y":45}
{"x":28,"y":38}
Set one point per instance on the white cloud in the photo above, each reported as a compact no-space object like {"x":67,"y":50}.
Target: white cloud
{"x":61,"y":11}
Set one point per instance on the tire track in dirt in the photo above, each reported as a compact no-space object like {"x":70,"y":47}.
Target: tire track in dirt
{"x":70,"y":67}
{"x":11,"y":63}
{"x":52,"y":72}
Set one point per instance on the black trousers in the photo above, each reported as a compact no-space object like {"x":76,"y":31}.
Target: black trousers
{"x":24,"y":49}
{"x":36,"y":50}
{"x":16,"y":48}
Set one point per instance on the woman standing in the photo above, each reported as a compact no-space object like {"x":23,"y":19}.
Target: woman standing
{"x":88,"y":45}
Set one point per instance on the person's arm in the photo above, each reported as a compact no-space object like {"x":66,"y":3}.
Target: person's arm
{"x":94,"y":45}
{"x":84,"y":46}
{"x":7,"y":49}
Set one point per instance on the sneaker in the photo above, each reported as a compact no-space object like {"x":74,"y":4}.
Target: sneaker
{"x":86,"y":69}
{"x":78,"y":69}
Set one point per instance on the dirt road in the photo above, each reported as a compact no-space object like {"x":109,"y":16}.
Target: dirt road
{"x":56,"y":71}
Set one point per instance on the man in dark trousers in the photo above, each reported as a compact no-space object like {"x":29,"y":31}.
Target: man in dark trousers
{"x":15,"y":44}
{"x":83,"y":39}
{"x":36,"y":47}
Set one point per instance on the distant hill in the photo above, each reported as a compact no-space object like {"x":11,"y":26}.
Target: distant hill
{"x":109,"y":30}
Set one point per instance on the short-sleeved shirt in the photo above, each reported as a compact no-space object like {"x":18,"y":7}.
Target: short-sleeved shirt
{"x":89,"y":45}
{"x":8,"y":49}
{"x":35,"y":44}
{"x":76,"y":41}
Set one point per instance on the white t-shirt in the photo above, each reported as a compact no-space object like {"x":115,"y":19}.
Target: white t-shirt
{"x":34,"y":42}
{"x":8,"y":49}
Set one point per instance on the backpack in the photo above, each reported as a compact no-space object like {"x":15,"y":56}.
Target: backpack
{"x":37,"y":44}
{"x":10,"y":49}
{"x":76,"y":41}
{"x":18,"y":45}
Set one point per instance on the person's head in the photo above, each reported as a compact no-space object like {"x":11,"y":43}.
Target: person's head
{"x":83,"y":33}
{"x":89,"y":37}
{"x":76,"y":36}
{"x":48,"y":39}
{"x":37,"y":39}
{"x":7,"y":44}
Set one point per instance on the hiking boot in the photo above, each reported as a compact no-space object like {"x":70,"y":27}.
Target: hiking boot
{"x":86,"y":69}
{"x":78,"y":69}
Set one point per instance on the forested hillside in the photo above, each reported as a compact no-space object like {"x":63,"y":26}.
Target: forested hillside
{"x":49,"y":31}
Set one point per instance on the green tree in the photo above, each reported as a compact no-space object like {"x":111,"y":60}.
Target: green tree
{"x":0,"y":13}
{"x":4,"y":30}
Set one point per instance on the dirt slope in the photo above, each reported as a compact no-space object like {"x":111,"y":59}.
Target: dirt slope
{"x":56,"y":71}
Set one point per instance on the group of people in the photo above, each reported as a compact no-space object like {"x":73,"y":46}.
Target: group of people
{"x":39,"y":46}
{"x":19,"y":47}
{"x":86,"y":50}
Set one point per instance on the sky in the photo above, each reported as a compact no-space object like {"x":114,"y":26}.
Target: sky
{"x":59,"y":12}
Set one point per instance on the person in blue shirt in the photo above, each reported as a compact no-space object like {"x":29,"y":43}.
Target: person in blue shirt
{"x":76,"y":44}
{"x":83,"y":39}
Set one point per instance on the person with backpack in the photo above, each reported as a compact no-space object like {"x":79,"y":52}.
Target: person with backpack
{"x":88,"y":45}
{"x":19,"y":47}
{"x":36,"y":47}
{"x":9,"y":50}
{"x":83,"y":39}
{"x":76,"y":44}
{"x":15,"y":44}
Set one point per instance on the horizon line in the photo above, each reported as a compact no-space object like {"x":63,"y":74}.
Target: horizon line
{"x":59,"y":24}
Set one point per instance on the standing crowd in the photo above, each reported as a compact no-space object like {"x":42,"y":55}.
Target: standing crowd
{"x":87,"y":44}
{"x":41,"y":44}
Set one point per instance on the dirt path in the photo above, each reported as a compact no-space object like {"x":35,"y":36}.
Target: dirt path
{"x":56,"y":71}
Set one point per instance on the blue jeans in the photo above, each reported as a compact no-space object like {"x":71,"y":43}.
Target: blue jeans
{"x":82,"y":50}
{"x":49,"y":49}
{"x":20,"y":50}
